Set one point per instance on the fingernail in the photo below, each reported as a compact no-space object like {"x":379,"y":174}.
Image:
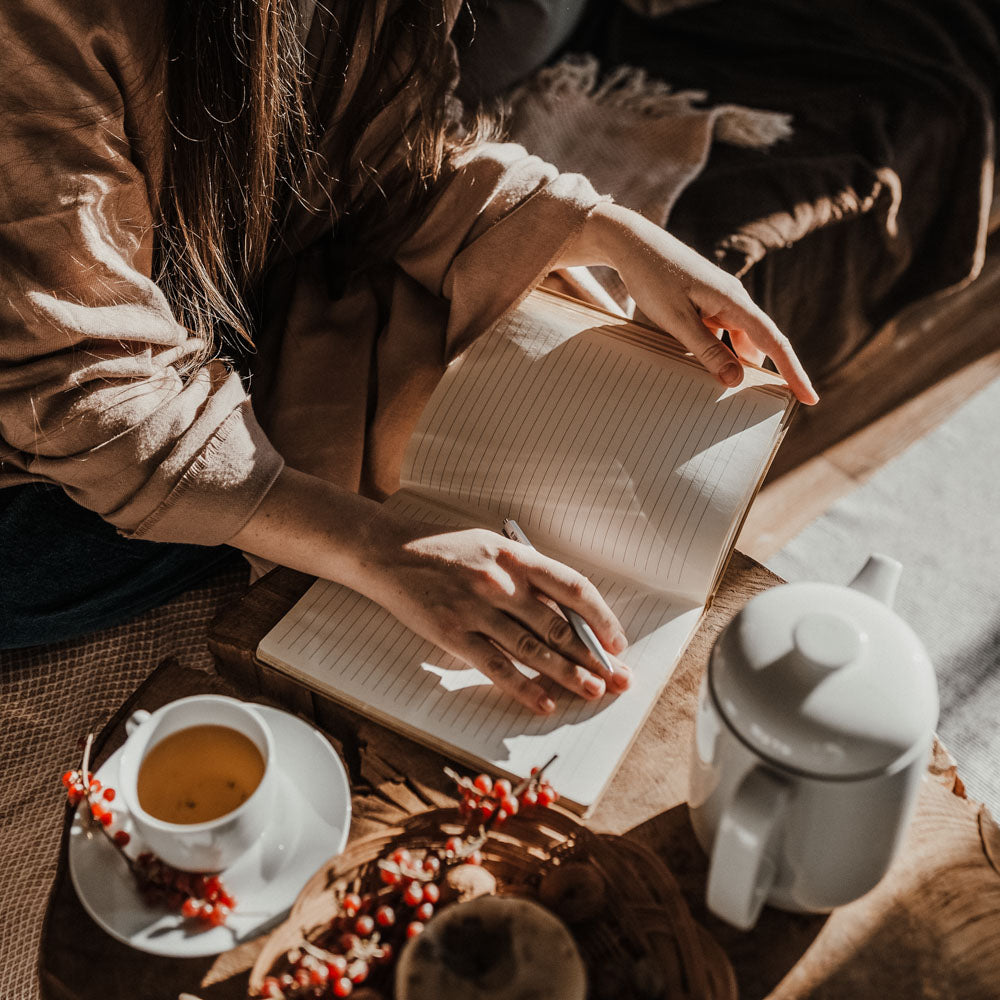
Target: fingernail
{"x":619,"y":642}
{"x":594,"y":686}
{"x":623,"y":676}
{"x":546,"y":704}
{"x":732,"y":374}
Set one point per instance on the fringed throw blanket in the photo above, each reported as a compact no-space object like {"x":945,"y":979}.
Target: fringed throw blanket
{"x":633,"y":136}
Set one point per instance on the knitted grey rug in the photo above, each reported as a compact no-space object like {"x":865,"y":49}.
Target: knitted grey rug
{"x":935,"y":509}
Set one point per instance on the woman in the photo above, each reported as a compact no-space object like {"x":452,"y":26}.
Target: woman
{"x":180,"y":183}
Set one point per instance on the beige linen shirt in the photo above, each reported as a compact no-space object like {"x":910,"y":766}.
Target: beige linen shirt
{"x":92,"y":395}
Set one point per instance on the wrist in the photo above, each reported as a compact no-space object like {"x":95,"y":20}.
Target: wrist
{"x":308,"y":524}
{"x":595,"y":243}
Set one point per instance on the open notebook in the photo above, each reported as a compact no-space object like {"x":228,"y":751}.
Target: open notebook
{"x":619,"y":456}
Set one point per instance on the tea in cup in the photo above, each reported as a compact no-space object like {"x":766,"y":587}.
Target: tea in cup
{"x":197,"y":777}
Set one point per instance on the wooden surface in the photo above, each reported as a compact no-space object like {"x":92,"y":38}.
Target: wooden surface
{"x":933,"y":339}
{"x":930,"y":929}
{"x":786,"y":505}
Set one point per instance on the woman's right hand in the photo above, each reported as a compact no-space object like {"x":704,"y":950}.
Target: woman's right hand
{"x":478,"y":595}
{"x":489,"y":601}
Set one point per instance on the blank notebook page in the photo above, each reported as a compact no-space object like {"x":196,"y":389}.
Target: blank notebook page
{"x":352,"y":649}
{"x":619,"y":451}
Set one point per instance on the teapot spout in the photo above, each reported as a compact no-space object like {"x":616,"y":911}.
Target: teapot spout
{"x":879,"y":578}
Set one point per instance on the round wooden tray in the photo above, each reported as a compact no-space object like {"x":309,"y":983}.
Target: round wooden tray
{"x":644,"y":942}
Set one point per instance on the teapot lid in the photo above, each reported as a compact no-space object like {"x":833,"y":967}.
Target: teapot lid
{"x":824,"y":680}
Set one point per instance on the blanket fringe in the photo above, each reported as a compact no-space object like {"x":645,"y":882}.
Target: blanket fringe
{"x":629,"y":88}
{"x":741,"y":126}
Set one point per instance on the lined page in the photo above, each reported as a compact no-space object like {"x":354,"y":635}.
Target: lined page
{"x":354,"y":651}
{"x":626,"y":456}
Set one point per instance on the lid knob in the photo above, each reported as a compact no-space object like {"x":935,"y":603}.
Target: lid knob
{"x":825,"y":641}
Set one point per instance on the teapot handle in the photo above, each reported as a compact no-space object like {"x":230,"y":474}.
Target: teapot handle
{"x":742,"y":870}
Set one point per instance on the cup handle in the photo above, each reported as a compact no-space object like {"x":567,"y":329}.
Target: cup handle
{"x":135,"y":720}
{"x":741,"y":870}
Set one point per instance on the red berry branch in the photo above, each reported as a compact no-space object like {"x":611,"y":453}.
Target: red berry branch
{"x":492,"y":802}
{"x":371,"y":927}
{"x":197,"y":897}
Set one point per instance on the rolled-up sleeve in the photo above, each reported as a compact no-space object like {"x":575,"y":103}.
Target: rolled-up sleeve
{"x":495,"y":229}
{"x":101,"y":390}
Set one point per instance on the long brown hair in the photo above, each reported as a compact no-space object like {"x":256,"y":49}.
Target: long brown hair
{"x":245,"y":143}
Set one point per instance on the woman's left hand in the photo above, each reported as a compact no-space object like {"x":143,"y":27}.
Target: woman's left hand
{"x":688,"y":296}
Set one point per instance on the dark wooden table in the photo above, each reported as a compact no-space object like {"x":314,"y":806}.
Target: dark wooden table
{"x":931,"y":928}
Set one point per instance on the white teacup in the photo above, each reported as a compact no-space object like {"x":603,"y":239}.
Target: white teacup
{"x":215,"y":844}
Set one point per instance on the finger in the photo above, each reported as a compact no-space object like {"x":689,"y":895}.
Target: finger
{"x":763,"y":332}
{"x":743,"y":346}
{"x":525,"y":647}
{"x":498,"y":667}
{"x":573,"y":590}
{"x":692,"y":330}
{"x":746,"y":348}
{"x":556,"y":632}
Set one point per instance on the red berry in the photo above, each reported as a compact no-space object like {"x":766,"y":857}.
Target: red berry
{"x":401,"y":856}
{"x":351,"y":904}
{"x":385,"y":952}
{"x":386,"y":916}
{"x":425,"y":911}
{"x":218,"y":915}
{"x":107,"y":819}
{"x":534,"y":770}
{"x":122,"y":838}
{"x":453,"y":845}
{"x":483,"y":783}
{"x":546,"y":796}
{"x":342,"y":987}
{"x":205,"y":912}
{"x":432,"y":864}
{"x":501,"y":787}
{"x":348,"y":942}
{"x":302,"y":978}
{"x":431,"y":893}
{"x":212,"y":887}
{"x":190,"y":908}
{"x":74,"y":797}
{"x":414,"y":928}
{"x":109,"y":795}
{"x":336,"y":967}
{"x":270,"y":988}
{"x":68,"y":778}
{"x":317,"y":975}
{"x":390,"y":877}
{"x":413,"y":894}
{"x":529,"y":798}
{"x":486,"y":810}
{"x":364,"y":925}
{"x":95,"y":784}
{"x":509,"y":804}
{"x":475,"y":858}
{"x":358,"y":971}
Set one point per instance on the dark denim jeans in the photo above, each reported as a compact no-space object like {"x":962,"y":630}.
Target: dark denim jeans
{"x":65,"y":572}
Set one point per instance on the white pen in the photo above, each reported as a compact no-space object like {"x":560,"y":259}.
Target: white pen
{"x":583,"y":631}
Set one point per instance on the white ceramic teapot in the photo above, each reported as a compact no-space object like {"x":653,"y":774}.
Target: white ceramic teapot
{"x":815,"y":722}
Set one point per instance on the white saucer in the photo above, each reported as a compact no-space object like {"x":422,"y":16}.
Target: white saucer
{"x":312,"y":819}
